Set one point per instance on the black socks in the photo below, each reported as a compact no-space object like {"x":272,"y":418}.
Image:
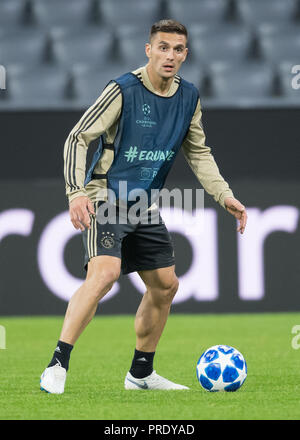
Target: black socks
{"x":61,"y":355}
{"x":142,"y":364}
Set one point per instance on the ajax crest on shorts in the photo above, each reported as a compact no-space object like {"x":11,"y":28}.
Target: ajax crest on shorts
{"x":107,"y":240}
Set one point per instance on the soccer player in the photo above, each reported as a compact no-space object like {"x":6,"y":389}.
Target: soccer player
{"x":128,"y":147}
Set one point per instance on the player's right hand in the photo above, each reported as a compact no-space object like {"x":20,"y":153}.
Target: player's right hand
{"x":80,"y":209}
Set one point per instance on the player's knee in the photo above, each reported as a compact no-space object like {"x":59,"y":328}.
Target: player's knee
{"x":168,"y":291}
{"x":103,"y":280}
{"x":108,"y":276}
{"x":174,"y":287}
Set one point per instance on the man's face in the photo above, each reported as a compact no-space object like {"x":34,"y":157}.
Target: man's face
{"x":166,"y":53}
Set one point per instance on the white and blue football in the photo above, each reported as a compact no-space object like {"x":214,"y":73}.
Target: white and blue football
{"x":221,"y":368}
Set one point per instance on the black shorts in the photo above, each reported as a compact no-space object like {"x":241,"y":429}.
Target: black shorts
{"x":140,"y":246}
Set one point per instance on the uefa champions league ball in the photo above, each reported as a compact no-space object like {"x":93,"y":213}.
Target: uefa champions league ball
{"x":221,"y":368}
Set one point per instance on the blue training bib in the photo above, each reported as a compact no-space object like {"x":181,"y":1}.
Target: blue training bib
{"x":150,"y":133}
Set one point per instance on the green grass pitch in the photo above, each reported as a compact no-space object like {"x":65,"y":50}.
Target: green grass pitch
{"x":102,"y":356}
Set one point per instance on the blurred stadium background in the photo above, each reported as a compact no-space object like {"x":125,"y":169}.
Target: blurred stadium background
{"x":59,"y":54}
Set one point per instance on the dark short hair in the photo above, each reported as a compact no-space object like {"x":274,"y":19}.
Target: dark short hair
{"x":169,"y":26}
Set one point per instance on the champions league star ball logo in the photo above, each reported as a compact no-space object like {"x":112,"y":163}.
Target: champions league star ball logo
{"x":107,"y":241}
{"x":146,"y":109}
{"x":146,"y":121}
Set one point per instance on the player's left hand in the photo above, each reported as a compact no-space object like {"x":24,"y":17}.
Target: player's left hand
{"x":238,"y":211}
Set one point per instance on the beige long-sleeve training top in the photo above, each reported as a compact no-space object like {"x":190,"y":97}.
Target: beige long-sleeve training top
{"x":102,"y":118}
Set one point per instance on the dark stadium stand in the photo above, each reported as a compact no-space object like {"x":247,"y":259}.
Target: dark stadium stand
{"x":93,"y":47}
{"x":254,"y":12}
{"x":130,"y":48}
{"x":231,"y":43}
{"x":195,"y":11}
{"x":248,"y":85}
{"x":53,"y":95}
{"x":116,"y":12}
{"x":57,"y":12}
{"x":280,"y":43}
{"x":241,"y":51}
{"x":12,"y":13}
{"x":23,"y":47}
